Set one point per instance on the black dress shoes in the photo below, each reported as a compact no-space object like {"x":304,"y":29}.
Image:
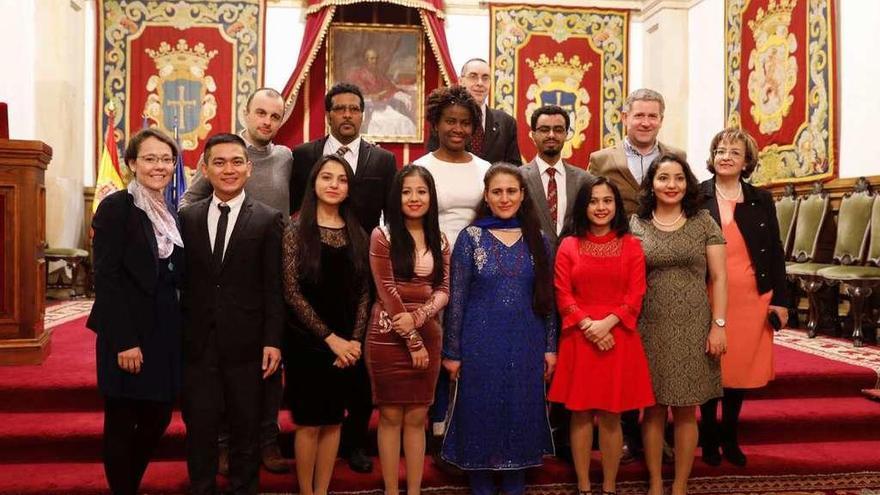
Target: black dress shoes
{"x":359,"y":462}
{"x":733,"y":454}
{"x":711,"y":455}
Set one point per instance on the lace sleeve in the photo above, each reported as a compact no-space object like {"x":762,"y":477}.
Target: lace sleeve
{"x":440,"y":297}
{"x":461,"y":268}
{"x":292,"y":293}
{"x":360,"y":323}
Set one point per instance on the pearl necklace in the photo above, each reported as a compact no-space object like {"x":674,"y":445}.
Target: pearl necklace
{"x":671,"y":224}
{"x":724,"y":196}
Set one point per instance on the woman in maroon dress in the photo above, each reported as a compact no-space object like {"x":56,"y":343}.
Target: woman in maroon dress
{"x":409,"y":258}
{"x":601,"y":369}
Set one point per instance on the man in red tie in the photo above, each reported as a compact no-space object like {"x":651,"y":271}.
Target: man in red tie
{"x":494,"y":139}
{"x":557,"y":181}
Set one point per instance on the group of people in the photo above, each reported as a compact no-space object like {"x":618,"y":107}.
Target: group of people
{"x":452,"y":292}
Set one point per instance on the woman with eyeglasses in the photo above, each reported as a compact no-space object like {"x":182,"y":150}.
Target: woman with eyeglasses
{"x":138,"y":261}
{"x":756,"y":287}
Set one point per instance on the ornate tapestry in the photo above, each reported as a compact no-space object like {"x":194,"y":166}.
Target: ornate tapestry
{"x":572,"y":57}
{"x":189,"y":65}
{"x":780,"y":85}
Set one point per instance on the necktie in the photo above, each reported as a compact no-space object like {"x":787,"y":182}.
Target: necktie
{"x":342,"y":151}
{"x":477,"y":140}
{"x":220,"y":238}
{"x":552,"y":200}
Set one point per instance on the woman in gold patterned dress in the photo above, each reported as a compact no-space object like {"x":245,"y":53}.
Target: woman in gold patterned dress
{"x":682,"y":330}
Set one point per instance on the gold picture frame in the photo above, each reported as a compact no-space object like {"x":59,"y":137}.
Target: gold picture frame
{"x":387,"y":62}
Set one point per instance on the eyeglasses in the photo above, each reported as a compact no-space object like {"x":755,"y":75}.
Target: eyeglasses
{"x":155,"y":160}
{"x":474,"y":77}
{"x":343,"y":108}
{"x":734,"y":153}
{"x":546,"y":129}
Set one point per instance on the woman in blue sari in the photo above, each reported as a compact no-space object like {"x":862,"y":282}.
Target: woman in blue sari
{"x":500,"y":339}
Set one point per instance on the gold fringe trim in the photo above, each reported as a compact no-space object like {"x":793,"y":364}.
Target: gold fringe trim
{"x":416,"y":4}
{"x":435,"y":48}
{"x":319,"y":42}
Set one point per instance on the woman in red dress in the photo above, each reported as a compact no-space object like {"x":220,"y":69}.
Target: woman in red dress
{"x":601,"y":369}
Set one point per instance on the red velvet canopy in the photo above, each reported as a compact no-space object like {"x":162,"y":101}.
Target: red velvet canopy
{"x":304,"y":92}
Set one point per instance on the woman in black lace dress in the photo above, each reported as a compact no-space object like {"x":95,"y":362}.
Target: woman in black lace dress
{"x":326,"y":285}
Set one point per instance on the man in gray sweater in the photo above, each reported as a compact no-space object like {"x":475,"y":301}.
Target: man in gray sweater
{"x":269,"y":183}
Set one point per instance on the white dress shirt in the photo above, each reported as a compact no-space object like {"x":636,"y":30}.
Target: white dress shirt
{"x":561,"y":196}
{"x":214,"y":216}
{"x":351,"y":156}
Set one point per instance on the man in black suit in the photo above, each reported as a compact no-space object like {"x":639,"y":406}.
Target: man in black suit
{"x":233,"y":317}
{"x":374,"y":170}
{"x":495,"y":139}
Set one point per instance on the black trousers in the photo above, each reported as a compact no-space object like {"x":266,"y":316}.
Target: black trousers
{"x":132,"y":429}
{"x":359,"y":405}
{"x":212,"y":387}
{"x":269,"y":429}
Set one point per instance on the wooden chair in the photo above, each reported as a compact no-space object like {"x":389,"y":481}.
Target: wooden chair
{"x":859,"y":282}
{"x":812,"y":244}
{"x":75,"y":259}
{"x":786,"y":213}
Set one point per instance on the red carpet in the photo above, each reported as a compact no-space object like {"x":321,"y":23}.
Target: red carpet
{"x":810,"y":432}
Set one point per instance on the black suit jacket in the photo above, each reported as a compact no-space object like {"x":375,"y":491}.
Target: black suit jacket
{"x":756,"y":219}
{"x":372,"y":179}
{"x":500,"y":144}
{"x":242,"y":301}
{"x":126,"y":277}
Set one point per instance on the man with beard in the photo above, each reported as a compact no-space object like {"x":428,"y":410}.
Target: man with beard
{"x":558,"y":181}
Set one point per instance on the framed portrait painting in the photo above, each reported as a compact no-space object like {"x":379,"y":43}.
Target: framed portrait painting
{"x":387,"y":63}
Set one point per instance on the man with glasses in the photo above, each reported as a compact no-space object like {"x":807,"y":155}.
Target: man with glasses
{"x":494,"y":139}
{"x":547,"y":172}
{"x":374,"y":170}
{"x":269,"y":183}
{"x":625,"y":164}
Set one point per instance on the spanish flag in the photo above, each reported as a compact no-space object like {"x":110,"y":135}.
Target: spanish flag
{"x":109,"y":179}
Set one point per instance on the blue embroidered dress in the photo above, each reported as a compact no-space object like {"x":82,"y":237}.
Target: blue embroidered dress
{"x":499,"y":418}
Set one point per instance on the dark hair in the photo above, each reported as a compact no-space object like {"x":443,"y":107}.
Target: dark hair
{"x":442,"y":98}
{"x":542,"y":298}
{"x":342,"y":88}
{"x":223,"y":138}
{"x":476,"y":59}
{"x":269,"y":91}
{"x":133,"y":149}
{"x":550,"y":110}
{"x":733,"y":134}
{"x":310,"y":234}
{"x":579,"y":224}
{"x":690,"y":204}
{"x":403,"y":246}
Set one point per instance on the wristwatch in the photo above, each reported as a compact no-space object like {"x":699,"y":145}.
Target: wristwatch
{"x":720,"y":322}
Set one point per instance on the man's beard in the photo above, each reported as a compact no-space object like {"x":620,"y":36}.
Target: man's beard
{"x":552,"y":152}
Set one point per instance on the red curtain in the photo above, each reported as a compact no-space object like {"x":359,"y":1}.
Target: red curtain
{"x":304,"y":91}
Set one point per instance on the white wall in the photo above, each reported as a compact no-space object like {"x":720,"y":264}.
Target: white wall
{"x":17,"y":86}
{"x":858,"y":78}
{"x":705,"y":80}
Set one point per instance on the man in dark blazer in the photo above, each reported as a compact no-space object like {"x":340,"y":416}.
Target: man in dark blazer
{"x":495,"y":139}
{"x":374,"y":170}
{"x":625,"y":163}
{"x":233,"y":317}
{"x":548,"y":178}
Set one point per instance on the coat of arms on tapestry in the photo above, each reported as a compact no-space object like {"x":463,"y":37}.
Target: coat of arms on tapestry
{"x":572,"y":57}
{"x":184,"y":67}
{"x":780,"y":85}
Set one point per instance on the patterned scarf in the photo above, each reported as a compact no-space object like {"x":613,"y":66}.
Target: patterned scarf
{"x":164,"y":226}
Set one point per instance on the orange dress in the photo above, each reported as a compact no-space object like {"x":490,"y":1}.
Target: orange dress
{"x":748,"y":362}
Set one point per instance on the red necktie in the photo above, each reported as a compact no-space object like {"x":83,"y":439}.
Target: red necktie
{"x":551,"y":195}
{"x":477,"y":140}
